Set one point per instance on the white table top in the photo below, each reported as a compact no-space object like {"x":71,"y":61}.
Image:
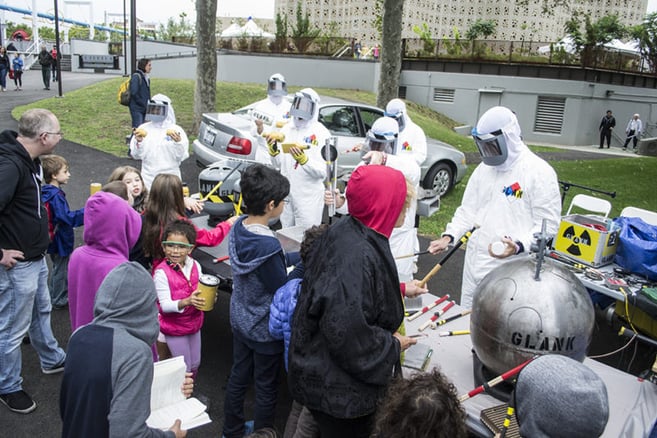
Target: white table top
{"x":632,"y":403}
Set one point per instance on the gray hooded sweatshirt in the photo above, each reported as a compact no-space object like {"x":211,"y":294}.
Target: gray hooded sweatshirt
{"x":106,"y":389}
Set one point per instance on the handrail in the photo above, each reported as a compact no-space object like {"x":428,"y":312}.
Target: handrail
{"x":341,"y":51}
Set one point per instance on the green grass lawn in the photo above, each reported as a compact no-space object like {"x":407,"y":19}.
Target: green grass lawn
{"x":633,"y":179}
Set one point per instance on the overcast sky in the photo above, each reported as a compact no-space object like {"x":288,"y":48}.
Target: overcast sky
{"x":157,"y":11}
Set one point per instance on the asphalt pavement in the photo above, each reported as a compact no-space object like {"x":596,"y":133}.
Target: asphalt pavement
{"x":89,"y":165}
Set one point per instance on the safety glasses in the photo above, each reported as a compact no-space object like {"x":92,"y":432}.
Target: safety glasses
{"x":177,"y":245}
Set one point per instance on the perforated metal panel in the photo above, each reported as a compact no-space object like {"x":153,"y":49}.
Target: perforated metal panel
{"x":549,"y":114}
{"x":443,"y":95}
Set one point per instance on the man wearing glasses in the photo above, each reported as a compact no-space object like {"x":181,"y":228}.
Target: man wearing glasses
{"x":507,"y":197}
{"x":24,"y":297}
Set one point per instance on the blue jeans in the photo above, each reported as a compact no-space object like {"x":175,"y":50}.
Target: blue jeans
{"x":25,"y":309}
{"x":248,"y":363}
{"x":3,"y":77}
{"x":58,"y":281}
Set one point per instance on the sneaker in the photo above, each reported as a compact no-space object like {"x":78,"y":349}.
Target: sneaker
{"x":18,"y":402}
{"x":54,"y":370}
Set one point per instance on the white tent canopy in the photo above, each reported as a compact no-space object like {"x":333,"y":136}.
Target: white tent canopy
{"x":234,"y":30}
{"x":250,"y":29}
{"x":631,"y":47}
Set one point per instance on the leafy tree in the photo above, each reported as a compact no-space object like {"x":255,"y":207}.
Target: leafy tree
{"x":378,"y":17}
{"x":589,"y":37}
{"x":302,"y":33}
{"x":425,"y":35}
{"x":48,"y":33}
{"x":173,"y":29}
{"x":280,"y":40}
{"x":205,"y":92}
{"x":329,"y":40}
{"x":481,"y":29}
{"x":390,"y":51}
{"x":646,"y":34}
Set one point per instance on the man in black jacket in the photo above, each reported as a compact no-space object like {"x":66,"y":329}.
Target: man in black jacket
{"x":24,"y":297}
{"x":45,"y":59}
{"x":607,"y":124}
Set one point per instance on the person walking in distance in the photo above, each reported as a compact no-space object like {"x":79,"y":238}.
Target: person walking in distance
{"x":45,"y":59}
{"x":633,"y":131}
{"x":607,"y":125}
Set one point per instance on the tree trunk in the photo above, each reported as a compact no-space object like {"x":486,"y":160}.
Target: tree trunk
{"x":205,"y":92}
{"x":390,"y":51}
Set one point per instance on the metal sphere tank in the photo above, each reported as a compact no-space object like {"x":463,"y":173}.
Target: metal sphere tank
{"x":515,"y":317}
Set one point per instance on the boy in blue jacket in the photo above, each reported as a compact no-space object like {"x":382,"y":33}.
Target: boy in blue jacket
{"x":259,"y":269}
{"x":61,"y":221}
{"x":280,"y":327}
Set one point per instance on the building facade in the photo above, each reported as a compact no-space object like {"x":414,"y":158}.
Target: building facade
{"x":356,"y":18}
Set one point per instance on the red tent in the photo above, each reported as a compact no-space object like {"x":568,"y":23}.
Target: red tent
{"x":20,"y":35}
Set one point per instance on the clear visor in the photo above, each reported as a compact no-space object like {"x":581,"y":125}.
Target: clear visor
{"x":156,"y":111}
{"x":302,"y":107}
{"x":490,"y":145}
{"x":399,"y":117}
{"x":381,"y":142}
{"x":277,"y":88}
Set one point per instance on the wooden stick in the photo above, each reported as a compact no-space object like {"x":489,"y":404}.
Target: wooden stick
{"x":464,"y":238}
{"x":479,"y":389}
{"x":412,"y":255}
{"x":425,"y":309}
{"x":436,"y":315}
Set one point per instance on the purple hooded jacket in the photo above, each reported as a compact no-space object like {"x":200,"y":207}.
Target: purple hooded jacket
{"x":111,"y":228}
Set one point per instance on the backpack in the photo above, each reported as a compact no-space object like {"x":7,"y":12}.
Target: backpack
{"x":123,"y":96}
{"x":52,"y":228}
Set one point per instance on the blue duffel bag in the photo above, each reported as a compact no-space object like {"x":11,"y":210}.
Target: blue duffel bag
{"x":637,"y":247}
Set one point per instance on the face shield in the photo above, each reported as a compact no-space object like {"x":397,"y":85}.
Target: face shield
{"x":277,"y":86}
{"x":303,"y":107}
{"x":492,"y":147}
{"x":399,"y":117}
{"x":382,"y":137}
{"x":156,"y":112}
{"x":396,"y":109}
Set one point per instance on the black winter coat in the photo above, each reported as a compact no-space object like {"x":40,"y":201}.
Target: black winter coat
{"x":342,"y":351}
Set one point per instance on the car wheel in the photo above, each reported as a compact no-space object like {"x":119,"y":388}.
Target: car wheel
{"x":439,"y":179}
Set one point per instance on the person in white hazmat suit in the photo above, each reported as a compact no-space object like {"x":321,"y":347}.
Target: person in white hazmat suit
{"x":507,"y":197}
{"x":412,"y":140}
{"x":380,"y":145}
{"x":159,"y":143}
{"x":270,"y":115}
{"x":302,"y":164}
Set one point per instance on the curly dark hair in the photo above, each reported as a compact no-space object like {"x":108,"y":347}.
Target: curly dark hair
{"x":309,"y":237}
{"x":180,"y":227}
{"x":426,"y":405}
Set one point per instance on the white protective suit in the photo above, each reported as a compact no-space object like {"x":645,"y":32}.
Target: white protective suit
{"x":306,"y":199}
{"x":412,"y":140}
{"x":511,"y":199}
{"x":157,"y":151}
{"x":276,"y":112}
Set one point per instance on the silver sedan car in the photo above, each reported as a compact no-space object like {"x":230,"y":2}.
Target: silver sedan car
{"x":228,"y":136}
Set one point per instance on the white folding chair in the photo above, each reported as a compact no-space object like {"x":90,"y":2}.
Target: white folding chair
{"x":590,"y":203}
{"x":649,"y":217}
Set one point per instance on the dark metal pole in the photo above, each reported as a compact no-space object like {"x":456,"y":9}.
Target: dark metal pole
{"x":58,"y":56}
{"x":125,"y":42}
{"x":133,"y":34}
